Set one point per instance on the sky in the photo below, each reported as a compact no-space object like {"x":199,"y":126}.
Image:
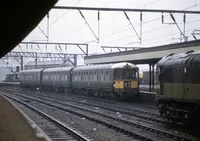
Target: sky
{"x":114,"y":28}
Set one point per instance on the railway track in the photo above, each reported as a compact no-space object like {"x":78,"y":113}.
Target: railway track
{"x":119,"y":123}
{"x":135,"y":104}
{"x":139,"y":113}
{"x":106,"y":123}
{"x":150,"y":110}
{"x":55,"y":129}
{"x":113,"y":107}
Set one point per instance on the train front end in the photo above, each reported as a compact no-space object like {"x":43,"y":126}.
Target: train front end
{"x":126,"y":79}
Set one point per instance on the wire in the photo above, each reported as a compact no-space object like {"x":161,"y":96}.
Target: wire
{"x":146,"y":32}
{"x":77,"y":27}
{"x":164,"y":40}
{"x":135,"y":7}
{"x":150,"y":39}
{"x":63,"y":14}
{"x":153,"y":42}
{"x":168,"y":16}
{"x":117,"y":32}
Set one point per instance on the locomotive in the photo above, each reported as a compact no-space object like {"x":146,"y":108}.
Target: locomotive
{"x":178,"y":96}
{"x":116,"y":81}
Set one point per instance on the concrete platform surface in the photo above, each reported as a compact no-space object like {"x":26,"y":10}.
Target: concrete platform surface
{"x":13,"y":124}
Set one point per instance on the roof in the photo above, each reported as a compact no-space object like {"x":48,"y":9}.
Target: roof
{"x":150,"y":55}
{"x":19,"y":19}
{"x":58,"y":69}
{"x":32,"y":70}
{"x":190,"y":58}
{"x":105,"y":66}
{"x":147,"y":49}
{"x":32,"y":63}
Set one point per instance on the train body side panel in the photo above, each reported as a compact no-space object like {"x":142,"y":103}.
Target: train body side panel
{"x":182,"y":91}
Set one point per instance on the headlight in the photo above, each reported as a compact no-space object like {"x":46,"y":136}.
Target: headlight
{"x":114,"y":85}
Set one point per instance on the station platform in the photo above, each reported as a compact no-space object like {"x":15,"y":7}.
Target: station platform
{"x":14,"y":126}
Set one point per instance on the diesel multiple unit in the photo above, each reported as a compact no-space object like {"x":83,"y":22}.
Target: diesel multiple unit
{"x":110,"y":80}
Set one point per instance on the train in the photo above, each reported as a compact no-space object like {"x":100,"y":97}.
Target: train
{"x":114,"y":80}
{"x":178,"y":86}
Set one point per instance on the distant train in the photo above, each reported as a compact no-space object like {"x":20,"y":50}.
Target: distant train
{"x":178,"y":96}
{"x":119,"y":80}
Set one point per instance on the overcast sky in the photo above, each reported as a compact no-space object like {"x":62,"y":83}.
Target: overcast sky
{"x":115,"y":30}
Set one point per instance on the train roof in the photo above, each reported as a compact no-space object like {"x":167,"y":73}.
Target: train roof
{"x":105,"y":66}
{"x":58,"y":69}
{"x":190,"y":58}
{"x":31,"y":70}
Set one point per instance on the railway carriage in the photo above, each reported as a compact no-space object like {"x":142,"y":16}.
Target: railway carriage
{"x":120,"y":80}
{"x":178,"y":95}
{"x":57,"y":79}
{"x":112,"y":80}
{"x":31,"y":78}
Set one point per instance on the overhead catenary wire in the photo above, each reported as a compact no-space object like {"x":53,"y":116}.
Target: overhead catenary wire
{"x":134,"y":7}
{"x":156,"y":19}
{"x":145,"y":32}
{"x":138,"y":24}
{"x":63,"y":14}
{"x":57,"y":19}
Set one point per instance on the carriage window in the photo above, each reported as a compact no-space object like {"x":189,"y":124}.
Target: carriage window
{"x":75,"y":76}
{"x":167,"y":74}
{"x":98,"y":75}
{"x":95,"y":76}
{"x":61,"y":76}
{"x":107,"y":76}
{"x":136,"y":75}
{"x":125,"y":74}
{"x":111,"y":73}
{"x":102,"y":76}
{"x":82,"y":75}
{"x":91,"y":76}
{"x":65,"y":76}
